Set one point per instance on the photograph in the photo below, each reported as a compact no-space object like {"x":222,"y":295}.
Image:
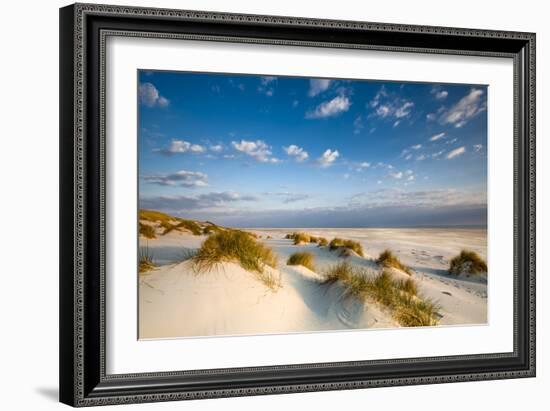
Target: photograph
{"x":275,"y":204}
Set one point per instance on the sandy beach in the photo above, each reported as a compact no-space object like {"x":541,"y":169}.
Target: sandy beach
{"x":177,"y":301}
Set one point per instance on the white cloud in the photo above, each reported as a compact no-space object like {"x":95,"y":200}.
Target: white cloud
{"x":199,"y":202}
{"x":477,"y":147}
{"x":438,"y":136}
{"x":456,"y":152}
{"x":190,"y":179}
{"x":421,"y":157}
{"x":266,"y":86}
{"x":265,"y":80}
{"x":404,"y":110}
{"x":216,"y":148}
{"x":394,"y":197}
{"x":317,"y":86}
{"x":406,"y":152}
{"x":258,"y":149}
{"x":431,"y":116}
{"x":182,"y":146}
{"x":467,"y":108}
{"x":437,"y":154}
{"x":330,"y":108}
{"x":439,"y":93}
{"x":398,"y":175}
{"x":328,"y":157}
{"x":150,"y":96}
{"x":346,"y":176}
{"x":297,"y":152}
{"x":390,"y":106}
{"x":410,"y":178}
{"x":288,"y":197}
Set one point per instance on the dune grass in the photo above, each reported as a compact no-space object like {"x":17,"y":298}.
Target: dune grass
{"x":313,"y":239}
{"x":238,"y":246}
{"x":154,"y":216}
{"x":322,"y":242}
{"x":468,"y":262}
{"x":145,"y":259}
{"x":189,"y":225}
{"x":211,"y":229}
{"x":305,"y":259}
{"x":399,"y":296}
{"x":388,"y":259}
{"x":301,"y":238}
{"x":343,"y":245}
{"x":147,"y":231}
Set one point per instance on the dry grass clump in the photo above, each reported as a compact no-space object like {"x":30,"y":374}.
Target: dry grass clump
{"x":313,"y":239}
{"x":301,"y":238}
{"x":468,"y":262}
{"x":342,"y":244}
{"x":147,"y":231}
{"x":145,"y":259}
{"x":322,"y":242}
{"x":388,"y":259}
{"x":211,"y":229}
{"x":238,"y":246}
{"x":189,"y":225}
{"x":305,"y":259}
{"x":399,"y":296}
{"x":154,"y":216}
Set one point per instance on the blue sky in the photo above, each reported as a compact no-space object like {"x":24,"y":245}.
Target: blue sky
{"x":275,"y":151}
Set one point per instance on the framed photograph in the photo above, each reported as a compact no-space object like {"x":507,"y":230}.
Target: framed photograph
{"x":261,"y":205}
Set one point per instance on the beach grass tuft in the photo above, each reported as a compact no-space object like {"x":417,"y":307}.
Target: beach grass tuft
{"x":468,"y":262}
{"x":154,"y":216}
{"x":342,"y":244}
{"x":399,"y":296}
{"x":388,"y":259}
{"x":145,"y":259}
{"x":305,"y":259}
{"x":322,"y":242}
{"x":301,"y":238}
{"x":211,"y":229}
{"x":238,"y":246}
{"x":147,"y":231}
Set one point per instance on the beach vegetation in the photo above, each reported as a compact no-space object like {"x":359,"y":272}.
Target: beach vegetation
{"x":147,"y":231}
{"x":467,"y":262}
{"x":344,"y":245}
{"x":388,"y":259}
{"x":240,"y":247}
{"x":145,"y":259}
{"x":399,"y":296}
{"x":304,"y":259}
{"x":301,"y":238}
{"x":322,"y":242}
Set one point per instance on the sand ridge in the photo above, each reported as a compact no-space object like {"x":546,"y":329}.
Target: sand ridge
{"x":176,"y":301}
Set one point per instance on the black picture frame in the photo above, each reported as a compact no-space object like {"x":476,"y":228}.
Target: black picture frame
{"x":83,"y":30}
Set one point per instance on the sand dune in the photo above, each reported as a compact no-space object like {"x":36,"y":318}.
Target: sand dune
{"x":175,"y":301}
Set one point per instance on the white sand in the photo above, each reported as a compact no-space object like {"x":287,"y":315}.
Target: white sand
{"x":174,"y":301}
